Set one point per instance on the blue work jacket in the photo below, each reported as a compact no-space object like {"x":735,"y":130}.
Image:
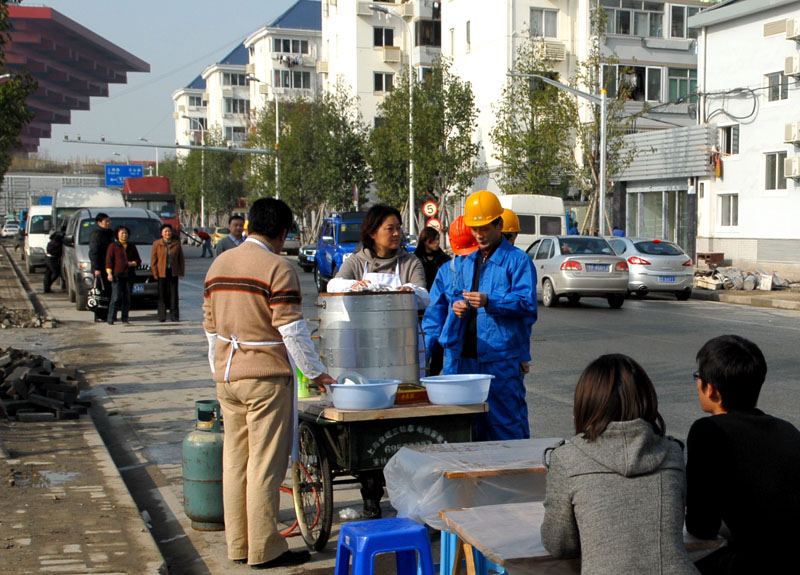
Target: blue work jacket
{"x":504,"y":324}
{"x":436,"y":312}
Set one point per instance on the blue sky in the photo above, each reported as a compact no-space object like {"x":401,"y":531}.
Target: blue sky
{"x":178,"y":38}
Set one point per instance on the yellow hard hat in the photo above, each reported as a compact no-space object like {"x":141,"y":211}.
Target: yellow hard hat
{"x":482,"y":208}
{"x":510,"y":222}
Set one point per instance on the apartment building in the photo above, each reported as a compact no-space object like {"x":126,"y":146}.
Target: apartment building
{"x":750,"y":207}
{"x":367,"y":46}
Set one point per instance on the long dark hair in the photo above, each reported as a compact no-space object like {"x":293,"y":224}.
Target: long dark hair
{"x":614,"y":388}
{"x":426,"y":235}
{"x":375,"y":217}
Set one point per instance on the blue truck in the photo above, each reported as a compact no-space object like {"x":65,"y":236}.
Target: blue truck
{"x":338,"y":237}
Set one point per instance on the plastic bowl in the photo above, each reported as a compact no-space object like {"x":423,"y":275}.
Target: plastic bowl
{"x":377,"y":394}
{"x":460,"y":389}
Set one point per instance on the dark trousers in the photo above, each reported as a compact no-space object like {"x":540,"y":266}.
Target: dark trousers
{"x":52,"y":271}
{"x":120,"y":298}
{"x":207,"y":248}
{"x":168,"y":297}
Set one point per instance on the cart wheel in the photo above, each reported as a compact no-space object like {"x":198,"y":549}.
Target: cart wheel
{"x":313,"y":490}
{"x":289,"y":531}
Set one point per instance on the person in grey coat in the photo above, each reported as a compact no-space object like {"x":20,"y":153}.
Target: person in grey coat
{"x":616,"y":491}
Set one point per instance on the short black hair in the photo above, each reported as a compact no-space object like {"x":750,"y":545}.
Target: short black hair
{"x":235,"y":217}
{"x":116,"y":233}
{"x":100,"y":217}
{"x":373,"y":220}
{"x":270,"y":217}
{"x":167,"y":226}
{"x":735,"y":367}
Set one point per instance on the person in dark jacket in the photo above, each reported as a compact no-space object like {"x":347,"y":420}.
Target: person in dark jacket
{"x":102,"y":236}
{"x":122,"y":258}
{"x":167,"y":265}
{"x":430,"y":254}
{"x":52,"y":260}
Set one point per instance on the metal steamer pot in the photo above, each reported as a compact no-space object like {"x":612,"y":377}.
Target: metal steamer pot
{"x":373,"y":333}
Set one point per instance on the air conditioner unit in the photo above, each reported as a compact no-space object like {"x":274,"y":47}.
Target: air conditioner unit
{"x":555,"y":51}
{"x":791,"y":168}
{"x":793,"y":28}
{"x":792,"y":67}
{"x":391,"y":54}
{"x":322,"y":67}
{"x":792,"y":133}
{"x":249,"y":68}
{"x":363,"y":9}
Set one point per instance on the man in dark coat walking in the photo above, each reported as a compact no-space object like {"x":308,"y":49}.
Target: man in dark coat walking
{"x":52,"y":261}
{"x":102,"y":237}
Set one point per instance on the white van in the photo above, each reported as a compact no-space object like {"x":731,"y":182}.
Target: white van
{"x":538,"y":216}
{"x":66,"y":201}
{"x":37,"y":235}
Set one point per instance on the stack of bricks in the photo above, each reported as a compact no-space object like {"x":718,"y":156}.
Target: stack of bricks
{"x":33,"y":389}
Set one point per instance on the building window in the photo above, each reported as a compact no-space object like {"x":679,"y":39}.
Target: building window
{"x":197,"y":102}
{"x":638,"y":83}
{"x":775,"y":178}
{"x":682,"y":85}
{"x":634,"y":18}
{"x":237,"y":106}
{"x":428,"y":33}
{"x":301,"y":80}
{"x":296,"y":79}
{"x":235,"y":134}
{"x":729,"y":210}
{"x":424,"y":73}
{"x":678,"y":21}
{"x":382,"y":36}
{"x":777,"y":87}
{"x":544,"y":23}
{"x":729,"y":140}
{"x":229,"y":79}
{"x":383,"y":82}
{"x":198,"y":124}
{"x":289,"y":46}
{"x":469,"y":40}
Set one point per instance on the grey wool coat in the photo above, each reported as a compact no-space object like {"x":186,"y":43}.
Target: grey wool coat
{"x":618,"y":502}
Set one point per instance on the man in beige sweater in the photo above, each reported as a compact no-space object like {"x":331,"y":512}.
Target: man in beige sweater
{"x":254,"y":325}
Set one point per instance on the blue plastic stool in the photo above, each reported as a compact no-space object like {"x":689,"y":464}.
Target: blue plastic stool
{"x":365,"y":539}
{"x":447,"y":556}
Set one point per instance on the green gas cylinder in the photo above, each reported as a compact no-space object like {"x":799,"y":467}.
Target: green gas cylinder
{"x":202,"y":468}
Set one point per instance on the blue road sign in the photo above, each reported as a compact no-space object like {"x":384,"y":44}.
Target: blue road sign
{"x":116,"y":173}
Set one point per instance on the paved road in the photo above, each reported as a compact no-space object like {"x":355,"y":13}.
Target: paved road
{"x":146,"y":377}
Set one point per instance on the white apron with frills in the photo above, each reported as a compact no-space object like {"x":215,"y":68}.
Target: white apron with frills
{"x":236,"y":344}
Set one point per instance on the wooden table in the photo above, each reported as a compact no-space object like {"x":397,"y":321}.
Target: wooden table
{"x":319,"y":408}
{"x":510,"y":535}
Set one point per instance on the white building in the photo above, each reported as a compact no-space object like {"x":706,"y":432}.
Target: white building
{"x":367,"y":49}
{"x":751,"y":211}
{"x":650,"y":39}
{"x":283,"y":55}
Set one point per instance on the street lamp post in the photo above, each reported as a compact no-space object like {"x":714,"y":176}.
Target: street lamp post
{"x":146,"y":140}
{"x":127,"y":161}
{"x":202,"y":170}
{"x":250,"y":77}
{"x":601,"y":99}
{"x":412,"y":219}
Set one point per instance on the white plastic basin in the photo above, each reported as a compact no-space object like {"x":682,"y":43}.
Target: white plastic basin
{"x":377,"y":394}
{"x":461,"y":389}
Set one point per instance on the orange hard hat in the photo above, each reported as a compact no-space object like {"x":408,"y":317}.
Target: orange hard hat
{"x":481,"y":208}
{"x":510,"y":222}
{"x":462,"y":241}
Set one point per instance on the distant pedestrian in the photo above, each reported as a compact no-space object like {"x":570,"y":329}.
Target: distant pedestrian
{"x":167,"y":265}
{"x":573,"y":229}
{"x":122,"y":258}
{"x":205,"y":237}
{"x":235,"y":237}
{"x":618,"y":232}
{"x":19,"y":241}
{"x":52,"y":260}
{"x":430,"y":255}
{"x":101,"y":237}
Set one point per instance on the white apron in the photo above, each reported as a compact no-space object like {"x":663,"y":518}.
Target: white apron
{"x":391,"y":280}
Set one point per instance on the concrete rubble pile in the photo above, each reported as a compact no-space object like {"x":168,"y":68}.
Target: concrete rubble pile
{"x":24,"y":318}
{"x":33,"y":389}
{"x":730,"y":278}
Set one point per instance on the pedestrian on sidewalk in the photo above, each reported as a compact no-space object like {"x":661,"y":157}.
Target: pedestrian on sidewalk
{"x":235,"y":237}
{"x":122,"y":258}
{"x":253,"y":319}
{"x":167,"y":265}
{"x":101,"y":237}
{"x":205,"y":237}
{"x":52,"y":261}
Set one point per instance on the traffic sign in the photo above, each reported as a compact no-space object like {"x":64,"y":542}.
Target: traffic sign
{"x":430,"y":209}
{"x":435,"y":224}
{"x":116,"y":173}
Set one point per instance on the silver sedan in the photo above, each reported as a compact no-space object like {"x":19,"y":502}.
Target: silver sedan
{"x":656,"y":266}
{"x":578,"y":266}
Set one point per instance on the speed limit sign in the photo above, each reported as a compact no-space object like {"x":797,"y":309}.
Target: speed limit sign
{"x":435,"y":224}
{"x":430,"y":209}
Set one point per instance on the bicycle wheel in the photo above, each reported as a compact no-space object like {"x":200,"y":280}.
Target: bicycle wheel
{"x":313,"y":489}
{"x":289,"y":531}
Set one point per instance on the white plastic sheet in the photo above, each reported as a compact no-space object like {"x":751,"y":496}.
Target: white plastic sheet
{"x":424,"y":480}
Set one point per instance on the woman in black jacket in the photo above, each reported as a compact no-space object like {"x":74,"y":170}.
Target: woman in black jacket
{"x":430,"y":254}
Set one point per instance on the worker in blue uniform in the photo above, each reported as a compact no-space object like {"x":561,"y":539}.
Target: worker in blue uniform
{"x":487,"y":329}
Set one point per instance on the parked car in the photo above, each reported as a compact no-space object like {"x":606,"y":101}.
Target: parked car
{"x":656,"y":266}
{"x":10,"y":229}
{"x":217,"y":234}
{"x":292,"y":244}
{"x":76,"y":269}
{"x":338,"y":237}
{"x":576,"y":267}
{"x":305,"y":258}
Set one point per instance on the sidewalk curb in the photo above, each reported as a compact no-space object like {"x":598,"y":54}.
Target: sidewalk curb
{"x":747,"y":298}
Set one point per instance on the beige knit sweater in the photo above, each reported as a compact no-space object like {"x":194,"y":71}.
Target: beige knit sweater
{"x":251,"y":292}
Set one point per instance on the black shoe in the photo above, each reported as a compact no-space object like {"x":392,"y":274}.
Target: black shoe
{"x":162,"y":320}
{"x":288,"y":558}
{"x":372,"y":509}
{"x":241,"y":561}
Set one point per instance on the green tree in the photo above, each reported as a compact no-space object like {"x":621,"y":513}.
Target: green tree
{"x":445,"y":155}
{"x":14,"y":91}
{"x":533,"y":131}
